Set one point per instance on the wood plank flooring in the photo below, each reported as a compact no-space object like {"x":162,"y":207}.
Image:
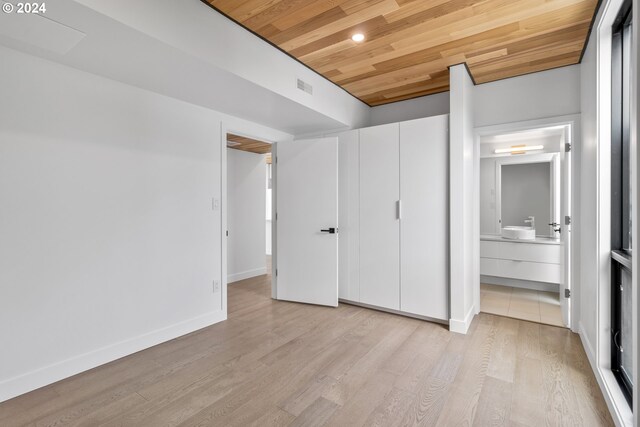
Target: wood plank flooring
{"x":277,"y":363}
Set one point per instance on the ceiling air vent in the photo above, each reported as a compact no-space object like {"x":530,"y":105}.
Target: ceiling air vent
{"x":304,"y":86}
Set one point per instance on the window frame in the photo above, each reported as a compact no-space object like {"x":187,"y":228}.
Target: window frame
{"x":621,"y":243}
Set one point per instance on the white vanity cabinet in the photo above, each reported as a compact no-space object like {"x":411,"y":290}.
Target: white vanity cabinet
{"x":532,"y":261}
{"x":393,"y":215}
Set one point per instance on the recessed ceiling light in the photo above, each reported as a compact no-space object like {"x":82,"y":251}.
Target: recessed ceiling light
{"x":358,"y":37}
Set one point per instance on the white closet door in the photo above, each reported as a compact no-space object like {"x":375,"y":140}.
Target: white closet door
{"x":379,"y":223}
{"x":348,"y":215}
{"x":424,"y":147}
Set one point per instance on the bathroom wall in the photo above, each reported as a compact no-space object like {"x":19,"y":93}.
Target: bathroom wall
{"x":488,"y":219}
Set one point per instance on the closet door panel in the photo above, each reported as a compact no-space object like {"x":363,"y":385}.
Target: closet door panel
{"x":424,"y":177}
{"x":379,"y":223}
{"x":348,"y":215}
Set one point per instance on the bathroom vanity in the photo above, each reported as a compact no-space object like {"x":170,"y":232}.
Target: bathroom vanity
{"x":539,"y":260}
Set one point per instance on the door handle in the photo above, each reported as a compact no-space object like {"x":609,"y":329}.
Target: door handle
{"x":331,"y":230}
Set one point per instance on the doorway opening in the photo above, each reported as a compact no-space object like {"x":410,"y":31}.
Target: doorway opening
{"x":249,"y":201}
{"x":525,"y":223}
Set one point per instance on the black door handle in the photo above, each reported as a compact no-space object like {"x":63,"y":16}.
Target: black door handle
{"x":329,"y":230}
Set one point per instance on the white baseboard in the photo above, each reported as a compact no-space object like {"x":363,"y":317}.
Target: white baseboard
{"x":523,"y":284}
{"x":461,"y":326}
{"x":33,"y":380}
{"x":235,"y":277}
{"x":620,"y":412}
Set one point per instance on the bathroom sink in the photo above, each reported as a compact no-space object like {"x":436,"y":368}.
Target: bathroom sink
{"x":518,"y":233}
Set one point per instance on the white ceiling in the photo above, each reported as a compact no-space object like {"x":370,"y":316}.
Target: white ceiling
{"x":106,"y":47}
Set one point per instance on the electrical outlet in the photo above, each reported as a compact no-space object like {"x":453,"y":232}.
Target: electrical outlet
{"x":216,"y":286}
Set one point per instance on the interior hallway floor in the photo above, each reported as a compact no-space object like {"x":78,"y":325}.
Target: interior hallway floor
{"x":524,"y":304}
{"x":281,"y":363}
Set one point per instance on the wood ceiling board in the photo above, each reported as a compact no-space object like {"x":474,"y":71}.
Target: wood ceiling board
{"x":248,"y":144}
{"x":496,"y":38}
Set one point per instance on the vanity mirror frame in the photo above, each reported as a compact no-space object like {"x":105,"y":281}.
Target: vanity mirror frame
{"x":555,"y":181}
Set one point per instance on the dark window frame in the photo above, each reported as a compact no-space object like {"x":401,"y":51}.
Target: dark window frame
{"x":621,"y":244}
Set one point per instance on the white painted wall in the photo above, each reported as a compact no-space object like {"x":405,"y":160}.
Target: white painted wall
{"x":529,"y":97}
{"x":109,"y":243}
{"x":532,"y":96}
{"x":488,"y":196}
{"x":425,"y":106}
{"x":192,"y":26}
{"x":246,"y":199}
{"x":588,"y":223}
{"x":463,"y":245}
{"x":594,"y":219}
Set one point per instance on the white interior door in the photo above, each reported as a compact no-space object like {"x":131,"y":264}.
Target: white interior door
{"x":307,"y":221}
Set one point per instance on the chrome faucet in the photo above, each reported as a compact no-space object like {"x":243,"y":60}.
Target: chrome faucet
{"x":532,"y":221}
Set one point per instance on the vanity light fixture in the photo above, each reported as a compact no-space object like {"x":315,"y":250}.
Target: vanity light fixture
{"x":519,"y":149}
{"x":357,"y":37}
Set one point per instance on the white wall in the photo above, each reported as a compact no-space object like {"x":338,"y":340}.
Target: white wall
{"x":488,"y":196}
{"x":463,"y":244}
{"x":529,"y":97}
{"x":588,"y":222}
{"x":594,"y":218}
{"x":425,"y":106}
{"x":246,"y":199}
{"x":532,"y":96}
{"x":191,"y":27}
{"x":109,"y":243}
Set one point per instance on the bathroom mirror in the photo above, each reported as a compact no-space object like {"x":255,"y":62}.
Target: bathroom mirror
{"x":528,"y":192}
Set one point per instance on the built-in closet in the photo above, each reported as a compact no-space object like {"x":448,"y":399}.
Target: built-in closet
{"x":393,"y":215}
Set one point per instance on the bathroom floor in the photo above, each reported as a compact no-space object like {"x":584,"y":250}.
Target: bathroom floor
{"x":524,"y":304}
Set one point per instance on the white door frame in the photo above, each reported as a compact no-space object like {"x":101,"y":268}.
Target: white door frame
{"x":573,"y":122}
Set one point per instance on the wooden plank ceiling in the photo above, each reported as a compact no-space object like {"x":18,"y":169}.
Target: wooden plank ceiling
{"x":409,"y":44}
{"x":243,"y":143}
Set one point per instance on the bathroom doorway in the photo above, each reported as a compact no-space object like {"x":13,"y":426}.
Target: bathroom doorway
{"x":525,"y":221}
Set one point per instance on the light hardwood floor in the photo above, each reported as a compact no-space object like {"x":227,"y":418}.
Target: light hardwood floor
{"x":279,"y":363}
